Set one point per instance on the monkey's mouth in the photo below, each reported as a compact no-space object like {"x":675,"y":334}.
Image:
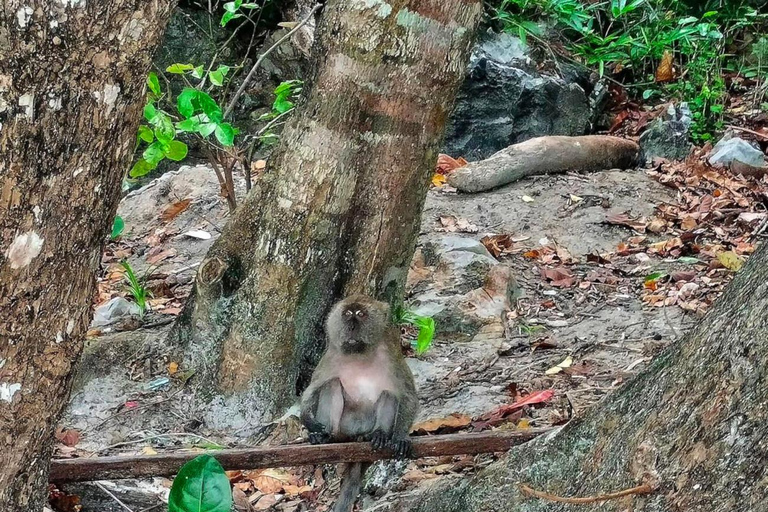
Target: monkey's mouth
{"x":353,"y":346}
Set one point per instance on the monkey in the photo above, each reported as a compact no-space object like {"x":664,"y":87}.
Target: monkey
{"x":362,"y":388}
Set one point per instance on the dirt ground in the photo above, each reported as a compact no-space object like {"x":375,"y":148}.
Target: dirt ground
{"x":580,"y":288}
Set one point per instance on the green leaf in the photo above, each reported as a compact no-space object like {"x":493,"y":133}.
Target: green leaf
{"x":153,"y":83}
{"x":426,"y":327}
{"x":200,"y":486}
{"x":223,"y":69}
{"x":141,"y":168}
{"x":688,"y":20}
{"x":225,"y":133}
{"x":164,"y":130}
{"x":281,"y":105}
{"x":177,"y":150}
{"x":654,"y":277}
{"x":206,"y":129}
{"x":118,"y":225}
{"x":198,"y":72}
{"x":185,"y":101}
{"x":228,"y":16}
{"x":145,"y":134}
{"x":179,"y":69}
{"x":250,"y":6}
{"x":208,"y":105}
{"x":688,"y":260}
{"x":216,"y":77}
{"x":189,"y":125}
{"x":149,"y":112}
{"x":154,"y":153}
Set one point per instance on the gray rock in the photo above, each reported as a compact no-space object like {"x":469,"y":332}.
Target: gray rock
{"x":113,"y":311}
{"x":505,"y":100}
{"x":668,"y":136}
{"x":736,"y":148}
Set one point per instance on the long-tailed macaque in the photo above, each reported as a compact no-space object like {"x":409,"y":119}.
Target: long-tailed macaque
{"x":362,"y":389}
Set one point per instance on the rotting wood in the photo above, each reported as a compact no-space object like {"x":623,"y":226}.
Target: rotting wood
{"x":136,"y":466}
{"x":545,"y":155}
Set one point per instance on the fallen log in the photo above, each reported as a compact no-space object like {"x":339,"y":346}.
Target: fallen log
{"x":545,"y":155}
{"x":137,"y":466}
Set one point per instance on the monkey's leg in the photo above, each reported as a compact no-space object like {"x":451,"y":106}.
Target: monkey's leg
{"x":393,"y":423}
{"x":322,"y":413}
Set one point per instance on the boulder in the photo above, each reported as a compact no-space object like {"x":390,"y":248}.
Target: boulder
{"x":668,"y":136}
{"x":735,"y":149}
{"x":504,"y":100}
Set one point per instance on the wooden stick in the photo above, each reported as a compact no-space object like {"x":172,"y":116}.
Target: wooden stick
{"x":136,"y":466}
{"x":747,"y":130}
{"x":640,"y":489}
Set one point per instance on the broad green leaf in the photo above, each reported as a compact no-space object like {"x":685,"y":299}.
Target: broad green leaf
{"x":282,"y":105}
{"x":198,"y":72}
{"x":141,"y":168}
{"x":654,"y":277}
{"x":176,"y":151}
{"x":250,"y":6}
{"x":216,"y":77}
{"x":189,"y":125}
{"x":149,"y":112}
{"x":426,"y":327}
{"x":118,"y":225}
{"x":232,"y":6}
{"x":223,"y":69}
{"x":179,"y":69}
{"x":153,"y":83}
{"x":209,"y":106}
{"x":206,"y":129}
{"x":145,"y":133}
{"x":225,"y":133}
{"x":164,"y":130}
{"x":184,"y":101}
{"x":200,"y":486}
{"x":154,"y":153}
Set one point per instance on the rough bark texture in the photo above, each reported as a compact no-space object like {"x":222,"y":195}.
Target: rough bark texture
{"x":545,"y":155}
{"x":71,"y":88}
{"x":338,"y":210}
{"x":693,"y":426}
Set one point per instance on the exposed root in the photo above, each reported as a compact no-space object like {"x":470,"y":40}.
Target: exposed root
{"x":641,"y":489}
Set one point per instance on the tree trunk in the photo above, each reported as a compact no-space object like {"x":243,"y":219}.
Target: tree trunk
{"x":71,"y":89}
{"x":693,"y":426}
{"x":338,"y":210}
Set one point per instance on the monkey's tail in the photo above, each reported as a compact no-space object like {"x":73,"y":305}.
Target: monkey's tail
{"x":351,"y":483}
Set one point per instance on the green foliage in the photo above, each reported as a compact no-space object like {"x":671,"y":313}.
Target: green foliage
{"x":200,"y":486}
{"x":425,"y":324}
{"x":118,"y":225}
{"x":136,"y":287}
{"x":234,"y":10}
{"x":628,"y":39}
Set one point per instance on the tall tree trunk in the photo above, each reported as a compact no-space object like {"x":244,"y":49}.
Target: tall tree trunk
{"x":693,"y":426}
{"x":338,"y":210}
{"x":71,"y":89}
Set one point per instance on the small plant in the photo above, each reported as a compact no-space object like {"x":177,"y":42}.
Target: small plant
{"x":530,"y":330}
{"x":426,"y":326}
{"x":201,"y":486}
{"x":136,"y":287}
{"x":280,"y":108}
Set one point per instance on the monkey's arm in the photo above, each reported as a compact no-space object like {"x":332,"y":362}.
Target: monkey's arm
{"x":321,"y":409}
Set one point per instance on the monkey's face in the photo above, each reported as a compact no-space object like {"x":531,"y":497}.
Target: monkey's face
{"x":357,"y":323}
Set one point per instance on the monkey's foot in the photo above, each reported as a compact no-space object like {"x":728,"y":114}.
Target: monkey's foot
{"x":319,"y":437}
{"x":379,"y":440}
{"x":403,"y":449}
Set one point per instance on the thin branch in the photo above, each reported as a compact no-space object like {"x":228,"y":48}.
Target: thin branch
{"x":137,"y":466}
{"x":252,"y":72}
{"x":117,"y":500}
{"x":641,"y":489}
{"x":747,"y":130}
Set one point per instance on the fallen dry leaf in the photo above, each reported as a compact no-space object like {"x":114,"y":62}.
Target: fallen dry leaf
{"x":68,"y":437}
{"x":623,"y":219}
{"x":174,"y":210}
{"x":666,"y":71}
{"x":438,"y":180}
{"x":560,"y":277}
{"x":452,"y":224}
{"x":446,"y":164}
{"x":498,"y":244}
{"x":565,"y":363}
{"x":450,"y":423}
{"x":730,"y":260}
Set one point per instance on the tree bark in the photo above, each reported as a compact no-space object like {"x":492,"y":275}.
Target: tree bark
{"x":338,"y":210}
{"x":693,"y":426}
{"x":71,"y":89}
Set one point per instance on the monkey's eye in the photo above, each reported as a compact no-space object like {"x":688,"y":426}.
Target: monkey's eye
{"x":360,"y":314}
{"x":348,"y":313}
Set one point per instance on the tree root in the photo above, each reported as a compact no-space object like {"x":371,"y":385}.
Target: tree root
{"x":530,"y":492}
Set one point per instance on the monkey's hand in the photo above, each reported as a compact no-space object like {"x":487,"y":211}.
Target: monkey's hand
{"x":402,"y":448}
{"x":379,"y":440}
{"x":319,"y":437}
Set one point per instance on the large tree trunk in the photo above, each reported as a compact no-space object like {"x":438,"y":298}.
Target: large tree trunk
{"x":71,"y":88}
{"x":693,"y":426}
{"x":338,"y":210}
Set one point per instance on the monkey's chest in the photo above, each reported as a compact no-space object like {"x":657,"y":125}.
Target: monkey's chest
{"x":363,"y":383}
